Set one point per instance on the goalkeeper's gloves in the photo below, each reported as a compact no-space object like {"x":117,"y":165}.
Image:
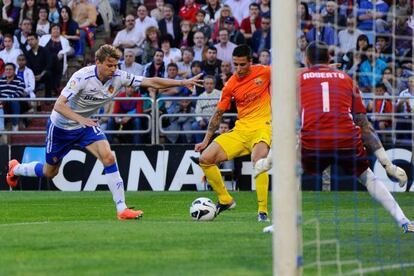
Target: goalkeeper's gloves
{"x":263,"y":165}
{"x":397,"y":173}
{"x":390,"y":168}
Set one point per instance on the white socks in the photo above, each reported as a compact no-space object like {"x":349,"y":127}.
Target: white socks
{"x":378,"y":191}
{"x":116,"y":185}
{"x":29,"y":169}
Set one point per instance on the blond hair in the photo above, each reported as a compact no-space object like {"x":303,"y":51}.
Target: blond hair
{"x":106,"y":51}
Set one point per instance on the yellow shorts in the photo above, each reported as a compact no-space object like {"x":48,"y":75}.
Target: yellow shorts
{"x":239,"y":142}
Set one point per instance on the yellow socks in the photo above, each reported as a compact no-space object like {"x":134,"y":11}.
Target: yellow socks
{"x":215,"y":179}
{"x":262,"y":187}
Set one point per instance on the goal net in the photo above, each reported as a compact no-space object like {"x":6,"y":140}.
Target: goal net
{"x":339,"y":206}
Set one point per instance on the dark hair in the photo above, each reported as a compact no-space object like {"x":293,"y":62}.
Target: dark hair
{"x":8,"y":36}
{"x":225,"y":121}
{"x":265,"y":50}
{"x":254,"y":5}
{"x":384,"y":36}
{"x":68,"y":10}
{"x":25,"y":10}
{"x":307,"y":15}
{"x":158,"y":50}
{"x":172,"y":64}
{"x":203,"y":12}
{"x":196,"y":63}
{"x":266,"y":16}
{"x":390,"y":69}
{"x":381,"y":85}
{"x":43,"y":7}
{"x":10,"y":64}
{"x":317,"y":52}
{"x":33,"y":34}
{"x":369,"y":46}
{"x":167,"y":38}
{"x":361,"y":37}
{"x":55,"y":25}
{"x":243,"y":50}
{"x":213,"y":48}
{"x":141,"y":5}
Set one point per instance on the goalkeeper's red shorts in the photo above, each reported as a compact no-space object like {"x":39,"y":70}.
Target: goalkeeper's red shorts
{"x":353,"y":161}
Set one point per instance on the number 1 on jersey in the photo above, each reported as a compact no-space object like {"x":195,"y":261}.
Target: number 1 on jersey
{"x":325,"y":96}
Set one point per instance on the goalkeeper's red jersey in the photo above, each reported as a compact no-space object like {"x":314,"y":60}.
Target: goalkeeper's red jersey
{"x":328,"y":99}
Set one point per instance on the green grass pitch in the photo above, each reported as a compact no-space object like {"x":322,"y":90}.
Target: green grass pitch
{"x":57,"y":233}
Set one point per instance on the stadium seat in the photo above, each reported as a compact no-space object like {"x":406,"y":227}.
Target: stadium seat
{"x":31,"y":154}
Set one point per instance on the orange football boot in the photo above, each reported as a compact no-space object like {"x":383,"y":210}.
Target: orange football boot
{"x":12,"y":179}
{"x":130,"y":214}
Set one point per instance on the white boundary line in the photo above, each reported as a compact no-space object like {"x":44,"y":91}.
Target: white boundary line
{"x":379,"y":268}
{"x":23,"y":223}
{"x":114,"y":221}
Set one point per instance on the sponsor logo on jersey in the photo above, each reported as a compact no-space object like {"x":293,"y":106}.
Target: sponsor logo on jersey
{"x":111,"y":89}
{"x":258,"y":81}
{"x":91,"y":98}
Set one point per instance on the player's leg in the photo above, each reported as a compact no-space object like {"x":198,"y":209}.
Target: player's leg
{"x":259,"y":152}
{"x":313,"y":162}
{"x":58,"y":142}
{"x":208,"y":161}
{"x":260,"y":141}
{"x":359,"y":166}
{"x":379,"y":192}
{"x":263,"y":163}
{"x":102,"y":151}
{"x":225,"y":147}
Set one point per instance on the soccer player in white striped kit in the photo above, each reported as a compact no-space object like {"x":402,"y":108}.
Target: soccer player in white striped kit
{"x":70,"y":123}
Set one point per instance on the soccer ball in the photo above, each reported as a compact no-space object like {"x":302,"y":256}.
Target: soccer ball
{"x":203,"y":209}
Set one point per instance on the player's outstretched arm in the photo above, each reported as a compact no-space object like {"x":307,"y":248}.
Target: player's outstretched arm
{"x":62,"y":108}
{"x":374,"y":145}
{"x":212,"y":127}
{"x":160,"y":83}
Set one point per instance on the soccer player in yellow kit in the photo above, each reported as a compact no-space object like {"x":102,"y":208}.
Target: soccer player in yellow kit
{"x":250,"y":87}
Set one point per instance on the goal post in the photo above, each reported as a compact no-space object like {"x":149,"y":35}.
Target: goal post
{"x":285,"y":190}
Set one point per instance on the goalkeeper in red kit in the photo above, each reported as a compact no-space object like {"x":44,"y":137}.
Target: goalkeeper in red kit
{"x":335,"y":130}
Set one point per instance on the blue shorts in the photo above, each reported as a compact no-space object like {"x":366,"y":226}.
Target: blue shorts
{"x":60,"y":141}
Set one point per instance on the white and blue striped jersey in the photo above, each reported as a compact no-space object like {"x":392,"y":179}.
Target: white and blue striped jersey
{"x":86,"y":94}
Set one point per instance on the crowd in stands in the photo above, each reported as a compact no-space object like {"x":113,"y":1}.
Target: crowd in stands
{"x":371,"y":40}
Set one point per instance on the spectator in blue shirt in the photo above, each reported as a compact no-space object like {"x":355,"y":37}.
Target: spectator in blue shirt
{"x":372,"y":15}
{"x":321,"y":32}
{"x":370,"y":70}
{"x":261,"y":38}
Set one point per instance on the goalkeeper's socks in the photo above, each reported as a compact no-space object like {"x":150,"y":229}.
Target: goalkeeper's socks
{"x":378,"y":191}
{"x":116,"y":185}
{"x":215,"y":180}
{"x":29,"y":169}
